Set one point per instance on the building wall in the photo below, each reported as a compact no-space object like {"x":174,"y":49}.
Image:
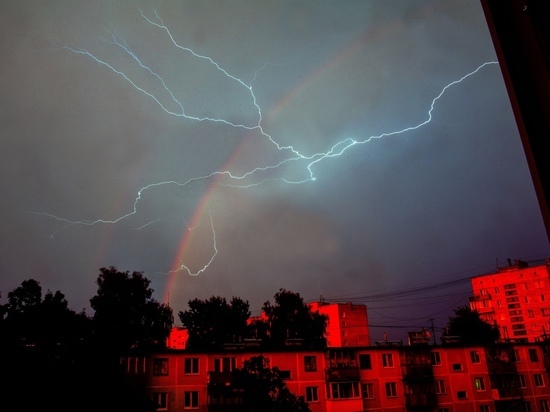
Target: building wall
{"x":517,"y":299}
{"x":431,"y":378}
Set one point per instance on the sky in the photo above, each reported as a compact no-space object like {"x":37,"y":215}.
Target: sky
{"x":358,"y":151}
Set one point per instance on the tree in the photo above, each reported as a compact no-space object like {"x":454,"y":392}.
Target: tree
{"x":467,"y":324}
{"x":291,"y":318}
{"x":264,"y":389}
{"x":126,"y":316}
{"x":213,"y":322}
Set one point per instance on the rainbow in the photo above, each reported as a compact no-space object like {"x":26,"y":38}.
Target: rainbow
{"x":367,"y":36}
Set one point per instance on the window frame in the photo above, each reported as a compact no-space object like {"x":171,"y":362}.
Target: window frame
{"x":391,"y":389}
{"x":191,"y":366}
{"x":191,"y":400}
{"x":161,"y":367}
{"x":310,"y":363}
{"x":312,"y":394}
{"x":387,"y":360}
{"x":161,"y":399}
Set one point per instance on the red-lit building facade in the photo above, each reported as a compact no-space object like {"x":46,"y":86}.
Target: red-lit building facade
{"x":517,"y":299}
{"x":347,"y":323}
{"x":448,"y":378}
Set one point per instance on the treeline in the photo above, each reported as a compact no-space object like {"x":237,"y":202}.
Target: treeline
{"x":55,"y":358}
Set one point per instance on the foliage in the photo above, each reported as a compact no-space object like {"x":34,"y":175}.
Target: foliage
{"x":265,"y":390}
{"x":467,"y":324}
{"x":213,"y":322}
{"x":291,"y":318}
{"x":126,"y":316}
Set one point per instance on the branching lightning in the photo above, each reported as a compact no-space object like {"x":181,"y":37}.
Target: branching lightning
{"x":246,"y":179}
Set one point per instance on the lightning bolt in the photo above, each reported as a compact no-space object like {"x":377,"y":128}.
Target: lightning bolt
{"x":172,"y":106}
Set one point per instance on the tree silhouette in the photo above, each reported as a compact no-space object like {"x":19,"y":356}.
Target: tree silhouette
{"x":213,"y":322}
{"x":291,"y":318}
{"x":264,"y":389}
{"x":126,"y":316}
{"x":470,"y":328}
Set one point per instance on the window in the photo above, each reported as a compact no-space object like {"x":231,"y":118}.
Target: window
{"x":436,"y":358}
{"x":545,"y":311}
{"x":522,"y":381}
{"x":220,"y":365}
{"x":461,"y":395}
{"x":367,"y":390}
{"x":387,"y":360}
{"x":497,"y":290}
{"x":527,"y":406}
{"x":457,"y":367}
{"x":191,"y":366}
{"x":479,"y":384}
{"x":160,"y":366}
{"x":365,"y":362}
{"x":440,"y":387}
{"x":530,"y":313}
{"x":344,"y":390}
{"x":191,"y":400}
{"x":542,"y":298}
{"x":544,"y":405}
{"x":391,"y":389}
{"x":538,"y":380}
{"x":136,"y":365}
{"x":312,"y":394}
{"x":310,"y":363}
{"x":284,"y":374}
{"x":474,"y":355}
{"x":483,"y":408}
{"x":515,"y":357}
{"x":533,"y":357}
{"x":161,"y":400}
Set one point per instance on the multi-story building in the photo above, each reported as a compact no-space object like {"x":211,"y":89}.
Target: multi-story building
{"x":448,"y":378}
{"x":517,"y":299}
{"x":347,"y":323}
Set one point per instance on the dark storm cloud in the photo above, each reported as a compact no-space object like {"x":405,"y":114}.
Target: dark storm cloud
{"x":78,"y":142}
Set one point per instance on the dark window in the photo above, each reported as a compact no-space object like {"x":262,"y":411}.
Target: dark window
{"x":312,"y":394}
{"x":191,"y":366}
{"x":160,"y":366}
{"x":365,"y":362}
{"x":310,"y":363}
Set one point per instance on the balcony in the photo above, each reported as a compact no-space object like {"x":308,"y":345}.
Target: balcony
{"x":344,"y":374}
{"x":420,"y":401}
{"x":220,"y":378}
{"x":412,"y":372}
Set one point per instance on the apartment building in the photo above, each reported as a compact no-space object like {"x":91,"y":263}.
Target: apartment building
{"x":517,"y":299}
{"x":447,"y":378}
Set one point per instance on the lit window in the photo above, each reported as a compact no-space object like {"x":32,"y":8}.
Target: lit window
{"x":387,"y":360}
{"x":391,"y":389}
{"x":160,"y":366}
{"x":310,"y":363}
{"x":161,"y":400}
{"x":191,"y":400}
{"x":312,"y":394}
{"x":367,"y":390}
{"x":191,"y":366}
{"x":479,"y":384}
